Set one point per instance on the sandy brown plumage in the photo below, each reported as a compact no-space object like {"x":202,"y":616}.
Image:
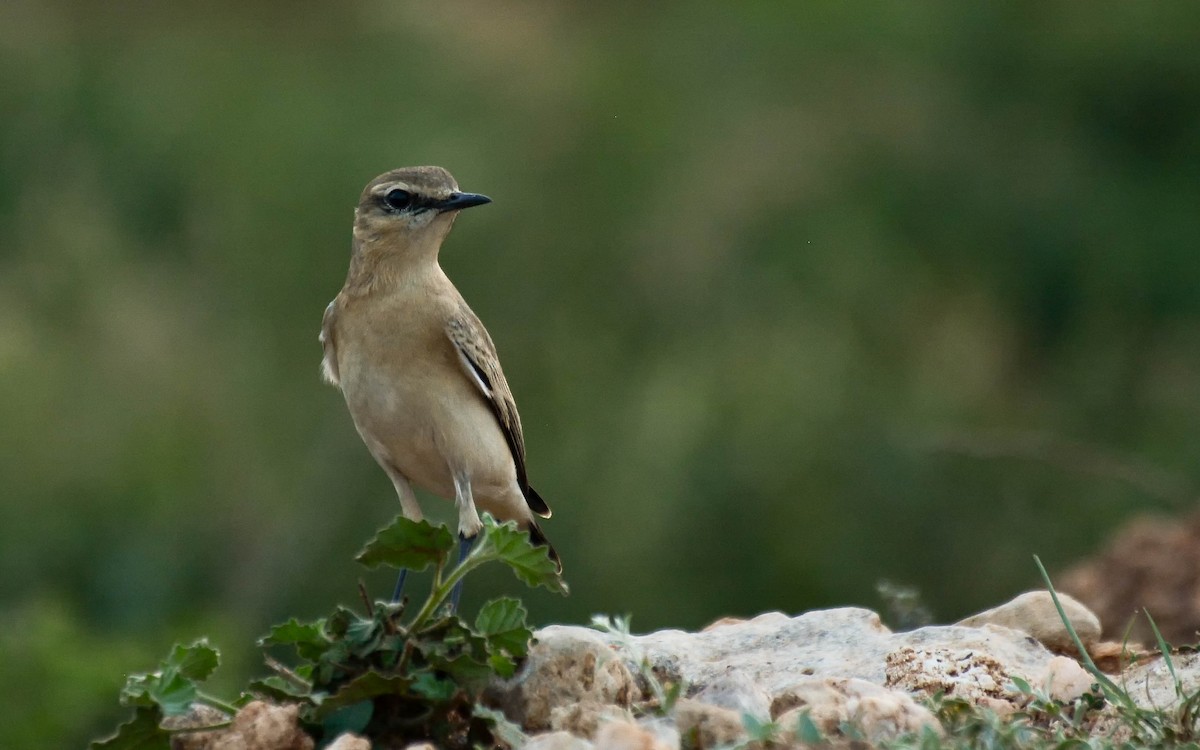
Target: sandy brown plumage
{"x":419,"y":371}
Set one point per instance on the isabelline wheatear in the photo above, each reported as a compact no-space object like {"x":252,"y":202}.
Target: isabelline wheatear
{"x":417,"y":368}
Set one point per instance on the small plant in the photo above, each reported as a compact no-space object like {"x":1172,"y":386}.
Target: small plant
{"x":1177,"y":727}
{"x":759,"y":732}
{"x":1104,"y":718}
{"x":664,"y":696}
{"x":387,"y":673}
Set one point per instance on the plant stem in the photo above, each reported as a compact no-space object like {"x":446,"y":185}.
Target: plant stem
{"x":441,"y":589}
{"x":216,"y":703}
{"x":1113,"y":692}
{"x":286,"y":673}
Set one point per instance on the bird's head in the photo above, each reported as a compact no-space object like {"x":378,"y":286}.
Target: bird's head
{"x":411,"y":205}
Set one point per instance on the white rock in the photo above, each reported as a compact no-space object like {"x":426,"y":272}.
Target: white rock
{"x":1151,"y":686}
{"x":257,"y":726}
{"x":708,"y":725}
{"x":773,"y":651}
{"x":621,"y":736}
{"x":557,"y":741}
{"x":583,"y":718}
{"x":199,"y":715}
{"x":662,"y":729}
{"x":1066,"y":680}
{"x":738,"y":692}
{"x":567,"y":665}
{"x":829,"y":702}
{"x":1034,"y":613}
{"x":350,"y":741}
{"x":749,"y":666}
{"x":968,"y":674}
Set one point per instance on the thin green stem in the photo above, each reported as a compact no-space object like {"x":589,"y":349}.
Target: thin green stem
{"x":1165,"y":648}
{"x":441,"y":590}
{"x":216,"y":703}
{"x":438,"y":570}
{"x":1110,"y":687}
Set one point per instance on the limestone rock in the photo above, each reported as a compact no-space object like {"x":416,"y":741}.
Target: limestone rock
{"x":584,"y":718}
{"x":1065,"y":680}
{"x":199,"y":715}
{"x":706,"y":725}
{"x":1034,"y":613}
{"x":968,"y":674}
{"x":772,"y":652}
{"x":737,"y":692}
{"x":557,"y":741}
{"x":566,"y":665}
{"x":258,"y":726}
{"x":880,"y":713}
{"x":619,"y":735}
{"x":723,"y":621}
{"x":1150,"y":684}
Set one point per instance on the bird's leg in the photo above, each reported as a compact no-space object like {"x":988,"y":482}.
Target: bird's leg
{"x":464,"y":549}
{"x":396,"y":592}
{"x":411,"y":511}
{"x":468,"y":527}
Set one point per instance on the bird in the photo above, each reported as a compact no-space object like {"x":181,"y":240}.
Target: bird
{"x":419,"y":372}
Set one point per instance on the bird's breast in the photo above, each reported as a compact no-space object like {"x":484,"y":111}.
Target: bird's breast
{"x":415,"y":407}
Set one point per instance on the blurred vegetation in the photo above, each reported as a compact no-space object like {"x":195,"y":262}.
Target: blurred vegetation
{"x":793,"y":298}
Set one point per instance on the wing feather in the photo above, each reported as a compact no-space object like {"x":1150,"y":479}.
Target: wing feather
{"x":329,"y":363}
{"x":477,"y":354}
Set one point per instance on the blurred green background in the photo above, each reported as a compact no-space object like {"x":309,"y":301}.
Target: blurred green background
{"x":794,"y":297}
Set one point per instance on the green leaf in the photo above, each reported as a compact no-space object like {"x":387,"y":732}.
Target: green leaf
{"x":1165,"y":649}
{"x":452,"y":647}
{"x":504,"y":730}
{"x":671,"y":696}
{"x":338,"y":623}
{"x":1111,"y":690}
{"x":170,"y":691}
{"x":363,"y":637}
{"x":274,"y":686}
{"x":308,"y":638}
{"x":763,"y":731}
{"x":364,"y":687}
{"x":468,"y":670}
{"x":173,"y":687}
{"x":502,"y":664}
{"x":511,"y":546}
{"x":353,"y":718}
{"x":142,"y":732}
{"x":196,"y":662}
{"x":436,"y":689}
{"x":412,"y":545}
{"x":807,"y":731}
{"x":502,"y":622}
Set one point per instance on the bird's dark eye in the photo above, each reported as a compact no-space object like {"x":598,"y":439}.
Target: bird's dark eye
{"x":398,"y":199}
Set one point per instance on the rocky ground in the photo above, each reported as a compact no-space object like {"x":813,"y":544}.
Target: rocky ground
{"x":589,"y":689}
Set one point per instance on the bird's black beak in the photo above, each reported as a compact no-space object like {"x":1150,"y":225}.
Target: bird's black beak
{"x":458,"y":201}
